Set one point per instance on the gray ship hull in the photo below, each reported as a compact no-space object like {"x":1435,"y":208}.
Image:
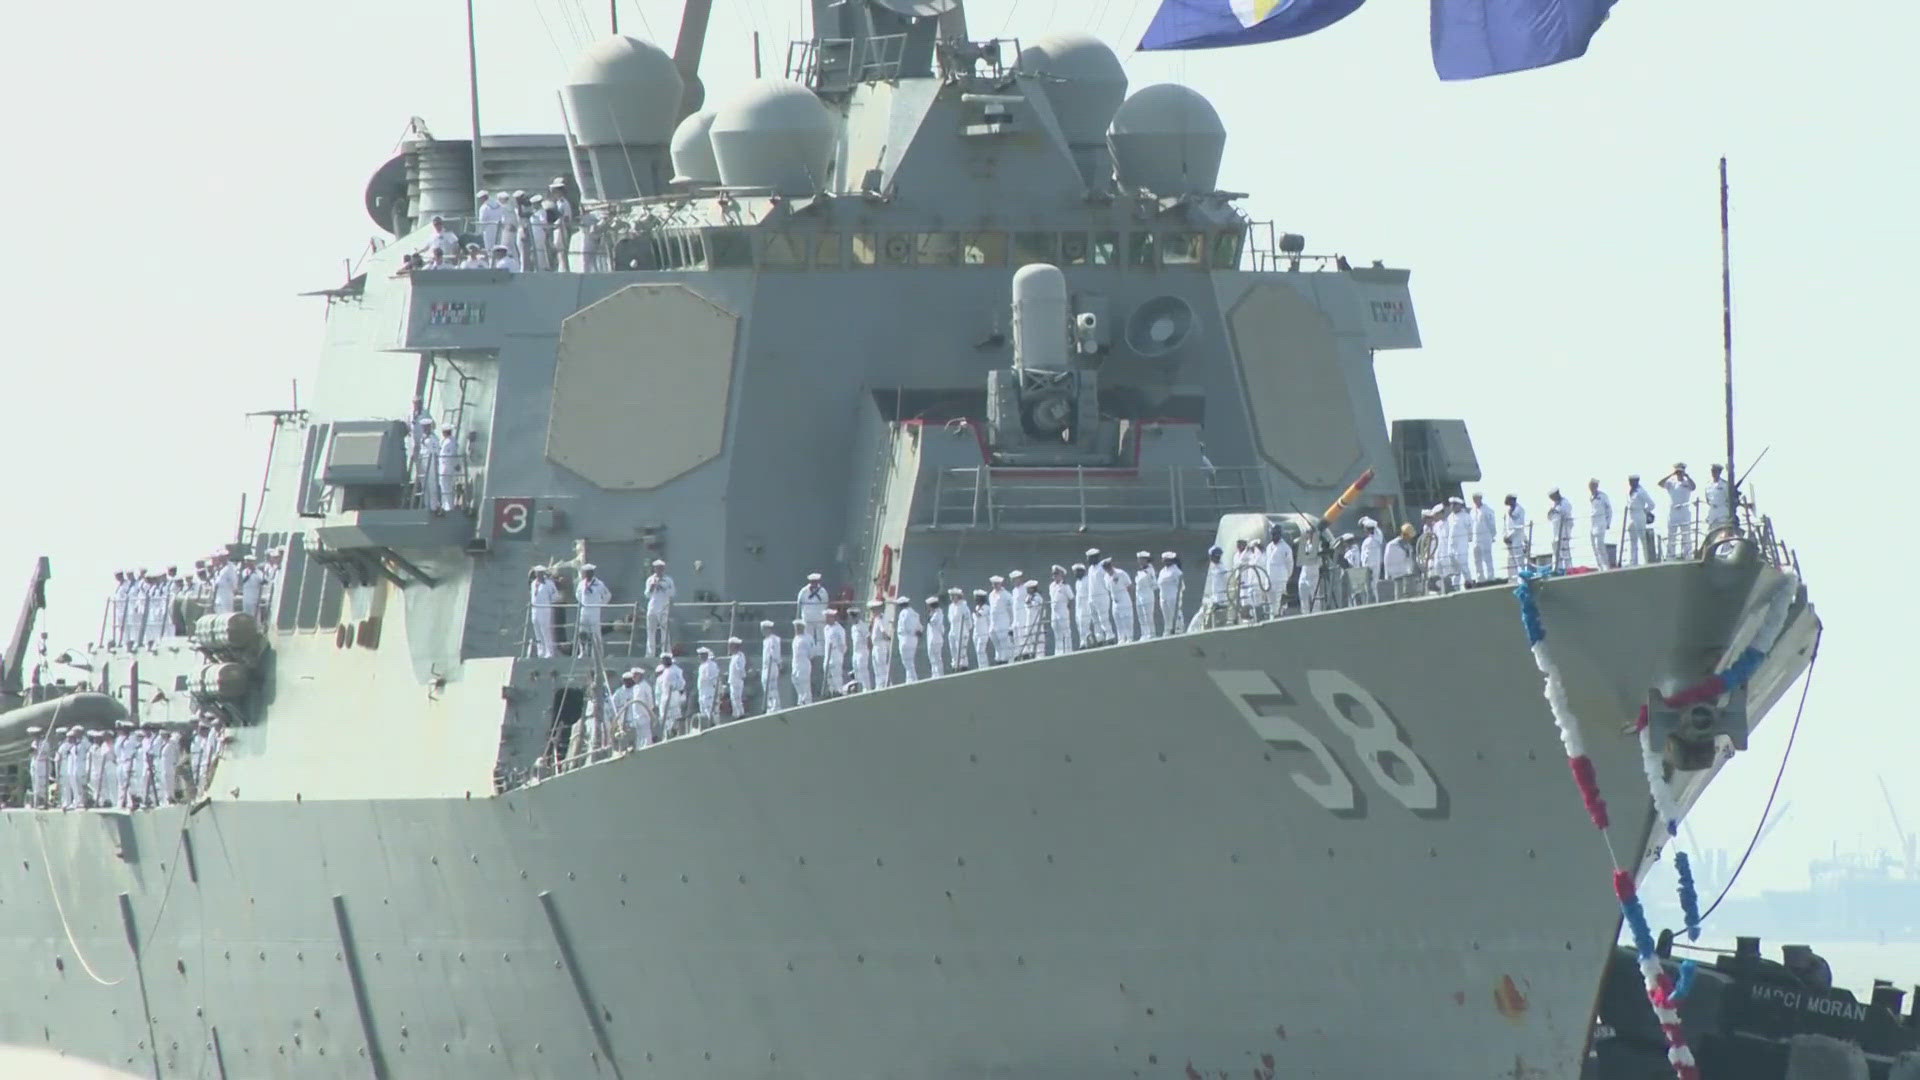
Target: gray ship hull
{"x":1098,"y":865}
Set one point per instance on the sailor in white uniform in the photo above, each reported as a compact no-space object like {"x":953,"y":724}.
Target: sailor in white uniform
{"x":166,"y":779}
{"x":1373,"y":554}
{"x":253,"y":584}
{"x":1396,"y":565}
{"x":707,"y":687}
{"x":1599,"y":521}
{"x":880,"y":644}
{"x":1560,"y":524}
{"x":1679,"y":488}
{"x":1016,"y":598}
{"x":1082,"y":605}
{"x":833,"y":645}
{"x":1169,"y":582}
{"x":769,"y":666}
{"x":1640,"y":514}
{"x":141,"y":780}
{"x":643,"y":716}
{"x":959,"y":628}
{"x":1519,"y":542}
{"x":1032,"y":608}
{"x":503,"y":259}
{"x":736,"y":678}
{"x":70,"y":765}
{"x":444,"y":240}
{"x":800,"y":665}
{"x":1459,"y":535}
{"x":936,"y":638}
{"x":670,"y":697}
{"x":1213,"y":597}
{"x":659,"y":609}
{"x":861,"y":649}
{"x":159,"y":606}
{"x":491,"y":214}
{"x":40,"y":747}
{"x":906,"y":632}
{"x":1146,"y":597}
{"x":1120,"y":588}
{"x":117,"y":610}
{"x":448,"y":464}
{"x":1099,"y":597}
{"x":1060,"y":605}
{"x":594,"y":597}
{"x":542,"y":594}
{"x":620,"y":705}
{"x":982,"y":622}
{"x":124,"y":747}
{"x":1000,"y":617}
{"x":812,"y":604}
{"x":1719,"y":500}
{"x":99,"y":768}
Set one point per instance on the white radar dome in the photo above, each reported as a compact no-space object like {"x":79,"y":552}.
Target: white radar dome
{"x":1084,"y":83}
{"x":623,"y":92}
{"x":774,"y":134}
{"x":693,"y":150}
{"x":1168,"y":140}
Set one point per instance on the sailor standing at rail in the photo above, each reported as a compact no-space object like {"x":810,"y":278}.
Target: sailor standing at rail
{"x":659,"y":609}
{"x":1099,"y":597}
{"x":1000,"y":619}
{"x":861,"y":651}
{"x":1279,"y":572}
{"x":426,"y":450}
{"x":1146,"y":596}
{"x":490,"y":216}
{"x":1170,"y":585}
{"x":800,"y":667}
{"x":959,"y":629}
{"x":1017,"y":599}
{"x":1307,"y":557}
{"x":769,"y":666}
{"x":880,"y":644}
{"x":1639,"y":537}
{"x":1600,"y":519}
{"x":906,"y":632}
{"x":117,"y":610}
{"x":1213,"y":595}
{"x":1560,"y":523}
{"x":123,"y":753}
{"x":1032,"y":610}
{"x":670,"y":697}
{"x":736,"y":678}
{"x":620,"y":703}
{"x":1060,"y":605}
{"x":1460,"y":540}
{"x":936,"y":638}
{"x":1396,"y":565}
{"x":139,"y":793}
{"x":594,"y":597}
{"x":706,"y":682}
{"x":559,"y":218}
{"x":1082,"y":606}
{"x":1679,"y":488}
{"x":39,"y":766}
{"x":449,"y":461}
{"x":1120,"y":588}
{"x":252,"y":583}
{"x":1719,"y":500}
{"x":1485,"y":532}
{"x":70,"y":764}
{"x":981,"y":619}
{"x":167,"y":779}
{"x":542,"y":595}
{"x":135,"y":612}
{"x":99,"y":767}
{"x":1373,"y":555}
{"x":1519,"y":543}
{"x":833,"y":654}
{"x":812,"y":603}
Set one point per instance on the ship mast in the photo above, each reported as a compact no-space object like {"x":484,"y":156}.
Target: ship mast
{"x":1726,"y":334}
{"x":473,"y":97}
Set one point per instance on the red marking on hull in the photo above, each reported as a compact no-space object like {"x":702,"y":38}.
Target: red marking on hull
{"x":1508,"y":999}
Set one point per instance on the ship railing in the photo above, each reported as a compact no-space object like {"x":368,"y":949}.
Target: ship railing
{"x":1080,"y":498}
{"x":624,"y":631}
{"x":1269,"y":250}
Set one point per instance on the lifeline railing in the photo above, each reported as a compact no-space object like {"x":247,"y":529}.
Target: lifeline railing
{"x":1160,"y":496}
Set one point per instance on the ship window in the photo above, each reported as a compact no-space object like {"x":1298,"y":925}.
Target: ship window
{"x":287,"y":585}
{"x":696,"y":250}
{"x":1033,"y":247}
{"x":784,"y":251}
{"x":1183,"y":248}
{"x":1140,"y":250}
{"x":898,"y":249}
{"x":937,"y":248}
{"x":1073,"y":249}
{"x":307,"y":615}
{"x":1106,"y":248}
{"x":984,"y":249}
{"x":826,"y":251}
{"x":729,"y":249}
{"x":865,"y":248}
{"x":1226,"y":249}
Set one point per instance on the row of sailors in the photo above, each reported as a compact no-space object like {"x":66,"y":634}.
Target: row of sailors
{"x":438,"y":461}
{"x":141,"y":607}
{"x":592,"y":595}
{"x":517,"y":231}
{"x":129,"y":768}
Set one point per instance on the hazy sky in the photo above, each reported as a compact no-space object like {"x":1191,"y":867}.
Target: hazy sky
{"x":182,"y":176}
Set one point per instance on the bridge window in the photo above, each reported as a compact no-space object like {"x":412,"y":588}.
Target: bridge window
{"x":784,"y":251}
{"x":898,"y":250}
{"x":1183,"y":248}
{"x":826,"y":251}
{"x":866,"y":248}
{"x":937,"y":248}
{"x":1106,"y":248}
{"x":1226,"y":249}
{"x":1033,"y":247}
{"x":984,"y":249}
{"x":1140,"y":251}
{"x":730,"y":249}
{"x":1073,"y":249}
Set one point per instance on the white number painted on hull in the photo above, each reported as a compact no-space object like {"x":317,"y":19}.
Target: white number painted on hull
{"x":1379,"y":741}
{"x":1380,"y":738}
{"x":1336,"y":792}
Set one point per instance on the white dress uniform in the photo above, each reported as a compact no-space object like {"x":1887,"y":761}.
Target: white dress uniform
{"x":426,"y":451}
{"x":447,"y":460}
{"x":1146,"y":596}
{"x":117,"y":611}
{"x":1099,"y":604}
{"x":1601,"y":521}
{"x":1679,"y":515}
{"x":1060,"y":596}
{"x":641,"y":711}
{"x":1032,"y":609}
{"x":253,"y":584}
{"x":800,"y":665}
{"x":1119,"y":586}
{"x":659,"y":611}
{"x":707,"y":685}
{"x":770,"y":668}
{"x":39,"y":768}
{"x":1560,"y":523}
{"x":906,"y":630}
{"x":99,"y":754}
{"x":166,"y":777}
{"x":125,"y":747}
{"x":936,"y":639}
{"x":1170,"y":586}
{"x":1279,"y":569}
{"x":1396,"y":565}
{"x":959,"y":630}
{"x":70,"y":764}
{"x":880,"y":649}
{"x":159,"y":604}
{"x":1307,"y":557}
{"x":670,"y":697}
{"x":492,"y":214}
{"x":737,"y":684}
{"x":1485,"y":532}
{"x":620,"y":704}
{"x":1083,"y":603}
{"x":833,"y":639}
{"x":140,"y":779}
{"x":861,"y":652}
{"x":1718,"y":500}
{"x":812,"y":605}
{"x":1000,"y":617}
{"x":541,"y":597}
{"x":982,"y":619}
{"x":136,"y":614}
{"x":1639,"y":538}
{"x":1519,"y":547}
{"x":1373,"y":555}
{"x":594,"y":597}
{"x":1460,"y":543}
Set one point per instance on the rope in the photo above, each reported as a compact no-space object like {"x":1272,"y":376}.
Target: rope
{"x":46,"y":864}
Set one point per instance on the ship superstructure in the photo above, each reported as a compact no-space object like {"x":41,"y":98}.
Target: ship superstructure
{"x":930,"y":308}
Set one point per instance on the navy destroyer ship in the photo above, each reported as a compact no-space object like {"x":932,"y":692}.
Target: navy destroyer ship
{"x":788,"y":339}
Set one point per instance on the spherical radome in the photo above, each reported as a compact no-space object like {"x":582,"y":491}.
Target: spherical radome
{"x":774,"y":134}
{"x":623,"y":91}
{"x":1167,"y":139}
{"x":1084,"y":82}
{"x":693,"y":150}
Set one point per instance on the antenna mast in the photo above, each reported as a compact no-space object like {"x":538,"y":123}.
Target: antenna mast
{"x":1726,"y":335}
{"x":473,"y":97}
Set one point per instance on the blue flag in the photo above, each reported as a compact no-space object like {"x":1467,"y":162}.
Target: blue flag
{"x":1210,"y":24}
{"x":1476,"y":38}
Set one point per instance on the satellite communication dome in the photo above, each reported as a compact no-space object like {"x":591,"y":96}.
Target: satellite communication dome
{"x":1084,"y":83}
{"x":1167,"y":139}
{"x":623,"y":92}
{"x":693,"y":150}
{"x":774,"y":134}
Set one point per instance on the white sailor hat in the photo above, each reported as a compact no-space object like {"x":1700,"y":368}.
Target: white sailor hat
{"x":588,"y":568}
{"x":1438,"y":508}
{"x":520,"y":193}
{"x":481,"y":194}
{"x":1215,"y":550}
{"x":1079,"y":566}
{"x":898,"y":600}
{"x":558,"y":181}
{"x":446,"y":427}
{"x":659,"y":562}
{"x":1169,"y":554}
{"x":630,"y":673}
{"x":35,"y":730}
{"x":666,"y":657}
{"x":933,"y":601}
{"x":538,"y":569}
{"x":1033,"y":585}
{"x":871,"y":604}
{"x":833,"y":613}
{"x":979,"y":594}
{"x":248,"y":558}
{"x":473,"y":247}
{"x":703,"y":651}
{"x":500,"y":247}
{"x":1058,"y":569}
{"x":766,"y":624}
{"x":1092,"y":554}
{"x":1011,"y":574}
{"x":123,"y":723}
{"x":1143,"y":554}
{"x":996,"y":580}
{"x":78,"y":730}
{"x":735,"y":641}
{"x":1346,"y":536}
{"x":1455,"y":500}
{"x":1368,"y":523}
{"x":956,"y":591}
{"x":813,"y":577}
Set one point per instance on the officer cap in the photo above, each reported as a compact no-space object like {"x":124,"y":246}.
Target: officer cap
{"x":734,"y":641}
{"x":1169,"y":555}
{"x":813,"y":577}
{"x":766,"y":624}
